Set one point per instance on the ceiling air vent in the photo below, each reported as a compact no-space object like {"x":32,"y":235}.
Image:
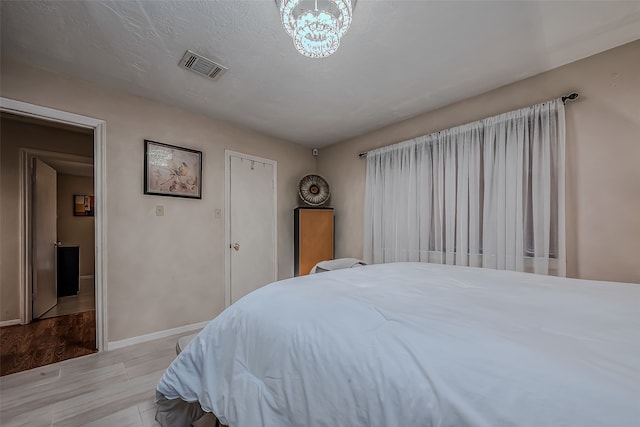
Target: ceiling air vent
{"x":201,"y":65}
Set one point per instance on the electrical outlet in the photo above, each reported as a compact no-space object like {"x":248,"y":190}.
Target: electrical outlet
{"x":218,"y":213}
{"x":159,"y":210}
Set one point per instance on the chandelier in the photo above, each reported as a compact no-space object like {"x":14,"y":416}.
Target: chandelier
{"x":316,"y":31}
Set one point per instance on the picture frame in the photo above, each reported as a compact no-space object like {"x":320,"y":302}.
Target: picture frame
{"x":83,"y":205}
{"x":172,"y":171}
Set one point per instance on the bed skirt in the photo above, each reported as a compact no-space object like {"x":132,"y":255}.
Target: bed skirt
{"x":178,"y":413}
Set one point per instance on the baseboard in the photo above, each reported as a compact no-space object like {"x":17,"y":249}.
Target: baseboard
{"x":9,"y":322}
{"x":155,"y":335}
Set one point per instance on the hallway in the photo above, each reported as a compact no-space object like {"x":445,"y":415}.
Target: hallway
{"x":84,"y":301}
{"x":47,"y":341}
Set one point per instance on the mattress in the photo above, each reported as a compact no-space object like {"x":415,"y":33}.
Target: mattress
{"x":416,"y":344}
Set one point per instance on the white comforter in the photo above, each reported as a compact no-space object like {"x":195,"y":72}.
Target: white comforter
{"x":416,"y":344}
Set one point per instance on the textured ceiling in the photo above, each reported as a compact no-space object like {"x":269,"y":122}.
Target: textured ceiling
{"x":399,"y":59}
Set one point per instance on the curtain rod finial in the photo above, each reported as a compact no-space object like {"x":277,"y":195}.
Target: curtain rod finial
{"x":572,"y":96}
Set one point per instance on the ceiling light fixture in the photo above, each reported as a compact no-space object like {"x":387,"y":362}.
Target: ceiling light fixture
{"x":316,"y":31}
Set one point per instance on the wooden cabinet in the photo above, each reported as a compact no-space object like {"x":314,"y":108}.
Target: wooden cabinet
{"x":314,"y":238}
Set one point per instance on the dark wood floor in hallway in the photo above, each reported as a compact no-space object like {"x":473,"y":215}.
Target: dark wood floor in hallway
{"x":47,"y":341}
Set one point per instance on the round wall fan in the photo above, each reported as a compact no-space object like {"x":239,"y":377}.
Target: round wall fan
{"x":313,"y":190}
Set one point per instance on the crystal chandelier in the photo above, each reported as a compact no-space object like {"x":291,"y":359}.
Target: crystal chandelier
{"x":316,"y":31}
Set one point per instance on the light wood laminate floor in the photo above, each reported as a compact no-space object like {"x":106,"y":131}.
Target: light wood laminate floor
{"x":114,"y":388}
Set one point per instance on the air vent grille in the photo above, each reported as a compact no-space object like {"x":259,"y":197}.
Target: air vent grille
{"x":201,"y":65}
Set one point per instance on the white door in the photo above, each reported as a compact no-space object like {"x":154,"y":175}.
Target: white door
{"x":252,"y":224}
{"x":44,"y":291}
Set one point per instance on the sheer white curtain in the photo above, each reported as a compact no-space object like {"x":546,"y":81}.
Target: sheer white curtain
{"x":485,"y":194}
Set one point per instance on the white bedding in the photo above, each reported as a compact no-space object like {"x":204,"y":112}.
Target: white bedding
{"x":414,"y":344}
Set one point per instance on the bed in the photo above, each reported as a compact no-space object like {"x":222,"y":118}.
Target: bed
{"x":417,"y":344}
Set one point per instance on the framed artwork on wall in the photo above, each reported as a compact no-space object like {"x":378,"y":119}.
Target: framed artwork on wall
{"x":83,"y":205}
{"x":172,"y":171}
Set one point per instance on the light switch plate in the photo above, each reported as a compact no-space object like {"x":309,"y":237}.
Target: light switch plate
{"x":159,"y":210}
{"x":218,"y":213}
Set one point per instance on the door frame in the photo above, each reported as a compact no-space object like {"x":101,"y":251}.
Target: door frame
{"x":227,"y":221}
{"x":100,"y":216}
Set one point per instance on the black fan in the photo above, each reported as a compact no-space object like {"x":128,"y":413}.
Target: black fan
{"x":313,"y":190}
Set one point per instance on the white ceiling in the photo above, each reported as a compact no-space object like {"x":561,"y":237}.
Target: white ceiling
{"x":399,"y":59}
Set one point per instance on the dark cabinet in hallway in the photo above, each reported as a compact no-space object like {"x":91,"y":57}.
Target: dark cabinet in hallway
{"x":68,"y":270}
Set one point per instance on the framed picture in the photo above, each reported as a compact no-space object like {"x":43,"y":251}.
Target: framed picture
{"x":172,"y":171}
{"x":83,"y":205}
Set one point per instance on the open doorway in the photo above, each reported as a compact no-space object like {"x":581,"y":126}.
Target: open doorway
{"x":68,"y":307}
{"x":60,"y":246}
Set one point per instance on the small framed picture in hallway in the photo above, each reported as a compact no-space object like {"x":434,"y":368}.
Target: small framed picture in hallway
{"x":172,"y":171}
{"x":83,"y":205}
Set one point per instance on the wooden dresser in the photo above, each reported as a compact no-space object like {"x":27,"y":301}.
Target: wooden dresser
{"x":314,"y":238}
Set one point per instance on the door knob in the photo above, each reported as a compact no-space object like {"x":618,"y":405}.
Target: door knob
{"x":236,"y":246}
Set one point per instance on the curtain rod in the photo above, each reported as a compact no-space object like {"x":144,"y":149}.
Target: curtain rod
{"x":570,"y":97}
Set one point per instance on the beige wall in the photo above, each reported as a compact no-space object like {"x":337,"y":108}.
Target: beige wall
{"x":13,"y":135}
{"x":603,"y":159}
{"x":76,"y":230}
{"x":162,"y":272}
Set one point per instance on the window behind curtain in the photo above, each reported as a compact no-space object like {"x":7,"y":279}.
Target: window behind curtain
{"x":487,"y":194}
